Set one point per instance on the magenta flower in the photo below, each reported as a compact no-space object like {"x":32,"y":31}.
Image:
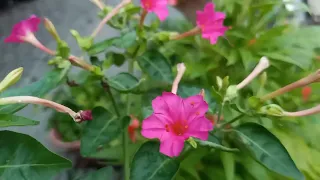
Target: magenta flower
{"x":211,"y":23}
{"x":159,"y":7}
{"x":23,"y":31}
{"x":176,"y":119}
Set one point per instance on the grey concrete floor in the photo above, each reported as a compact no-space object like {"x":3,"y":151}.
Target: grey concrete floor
{"x":65,"y":14}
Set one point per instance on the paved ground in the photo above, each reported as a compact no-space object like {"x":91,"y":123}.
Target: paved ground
{"x":65,"y":14}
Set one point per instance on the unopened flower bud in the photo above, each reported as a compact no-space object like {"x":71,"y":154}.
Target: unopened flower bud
{"x":272,"y":109}
{"x":192,"y":142}
{"x":11,"y":79}
{"x":51,"y":29}
{"x":86,"y":115}
{"x":231,"y":93}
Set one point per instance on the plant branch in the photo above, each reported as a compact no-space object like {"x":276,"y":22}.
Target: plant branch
{"x":109,"y":16}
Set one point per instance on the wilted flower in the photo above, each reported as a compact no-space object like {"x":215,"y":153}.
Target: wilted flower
{"x":211,"y":23}
{"x":175,"y":119}
{"x":134,"y":125}
{"x":86,"y":115}
{"x":23,"y":31}
{"x":159,"y":7}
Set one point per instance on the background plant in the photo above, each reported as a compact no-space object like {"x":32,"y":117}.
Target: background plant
{"x":256,"y":29}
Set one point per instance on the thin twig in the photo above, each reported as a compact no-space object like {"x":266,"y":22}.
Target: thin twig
{"x":109,"y":16}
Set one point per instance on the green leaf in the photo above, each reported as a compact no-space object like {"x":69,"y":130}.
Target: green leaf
{"x":123,"y":82}
{"x":156,"y":66}
{"x":149,"y":164}
{"x":146,"y":112}
{"x":302,"y":63}
{"x":84,"y":42}
{"x":104,"y":128}
{"x":22,"y":157}
{"x":39,"y":89}
{"x":228,"y":162}
{"x":125,"y":121}
{"x":63,"y":49}
{"x":215,"y":146}
{"x":100,"y":46}
{"x":7,"y":120}
{"x":101,"y":174}
{"x":265,"y":148}
{"x":116,"y":58}
{"x":126,"y":40}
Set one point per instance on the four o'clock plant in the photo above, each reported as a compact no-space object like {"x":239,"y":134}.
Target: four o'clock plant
{"x":151,"y":119}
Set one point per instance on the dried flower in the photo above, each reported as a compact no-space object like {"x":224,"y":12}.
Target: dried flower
{"x":211,"y":23}
{"x":175,"y":119}
{"x":86,"y":115}
{"x":159,"y":7}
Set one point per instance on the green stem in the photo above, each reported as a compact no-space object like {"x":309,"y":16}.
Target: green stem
{"x":220,"y":112}
{"x":107,"y":88}
{"x":125,"y":133}
{"x":231,"y":121}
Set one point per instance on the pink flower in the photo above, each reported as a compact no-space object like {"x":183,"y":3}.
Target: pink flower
{"x":211,"y":23}
{"x":173,"y":2}
{"x":174,"y":120}
{"x":159,"y":7}
{"x":23,"y":31}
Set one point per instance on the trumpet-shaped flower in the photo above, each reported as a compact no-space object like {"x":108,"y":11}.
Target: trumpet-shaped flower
{"x":159,"y":7}
{"x":23,"y":31}
{"x":211,"y":23}
{"x":174,"y":120}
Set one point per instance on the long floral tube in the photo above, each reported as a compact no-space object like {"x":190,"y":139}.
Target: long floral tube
{"x":315,"y":77}
{"x":263,"y":64}
{"x":306,"y":112}
{"x":43,"y":102}
{"x":181,"y":69}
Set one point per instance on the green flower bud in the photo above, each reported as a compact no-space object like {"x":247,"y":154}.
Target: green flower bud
{"x":51,"y":29}
{"x":192,"y":142}
{"x":11,"y":79}
{"x":231,"y":93}
{"x":272,"y":110}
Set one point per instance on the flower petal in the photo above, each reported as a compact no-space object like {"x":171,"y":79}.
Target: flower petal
{"x":172,"y":147}
{"x":195,"y":106}
{"x":162,"y":13}
{"x":200,"y":124}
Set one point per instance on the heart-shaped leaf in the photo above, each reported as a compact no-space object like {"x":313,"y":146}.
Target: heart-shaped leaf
{"x":7,"y":120}
{"x":265,"y":148}
{"x":123,"y":82}
{"x":149,"y":164}
{"x":156,"y":66}
{"x":40,"y":88}
{"x":103,"y":128}
{"x":101,"y":174}
{"x":22,"y":157}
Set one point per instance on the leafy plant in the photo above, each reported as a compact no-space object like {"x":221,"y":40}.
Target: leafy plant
{"x":230,"y":117}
